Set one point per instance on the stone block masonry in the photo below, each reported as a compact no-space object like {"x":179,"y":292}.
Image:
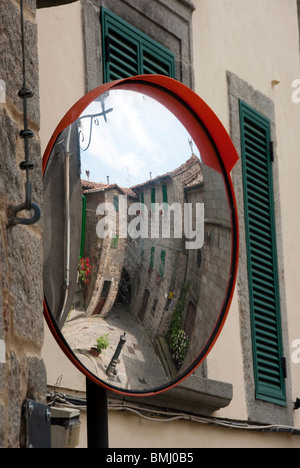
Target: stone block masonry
{"x":22,"y":371}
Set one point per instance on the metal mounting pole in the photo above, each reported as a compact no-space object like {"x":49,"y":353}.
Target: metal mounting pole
{"x":97,"y":417}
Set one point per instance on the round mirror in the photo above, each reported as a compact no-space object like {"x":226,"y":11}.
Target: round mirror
{"x":140,"y":233}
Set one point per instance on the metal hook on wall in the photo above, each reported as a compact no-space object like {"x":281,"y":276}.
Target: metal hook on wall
{"x":26,"y":134}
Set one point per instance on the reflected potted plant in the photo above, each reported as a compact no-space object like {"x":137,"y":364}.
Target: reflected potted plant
{"x":101,"y":343}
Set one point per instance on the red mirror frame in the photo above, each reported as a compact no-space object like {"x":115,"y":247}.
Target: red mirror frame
{"x":227,"y":158}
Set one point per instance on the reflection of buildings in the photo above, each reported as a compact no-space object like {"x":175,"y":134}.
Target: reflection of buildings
{"x":162,"y":263}
{"x":106,"y":255}
{"x":149,"y":272}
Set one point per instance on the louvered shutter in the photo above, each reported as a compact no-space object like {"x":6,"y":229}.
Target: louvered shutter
{"x":83,"y":223}
{"x":262,"y":257}
{"x":129,"y":52}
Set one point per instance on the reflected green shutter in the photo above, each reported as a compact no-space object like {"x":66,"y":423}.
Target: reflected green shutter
{"x":152,"y":254}
{"x":142,"y":201}
{"x":165,"y":196}
{"x":262,"y":256}
{"x":153,"y":199}
{"x":115,"y":242}
{"x":83,"y":223}
{"x":128,"y":52}
{"x":116,"y":202}
{"x":162,"y":263}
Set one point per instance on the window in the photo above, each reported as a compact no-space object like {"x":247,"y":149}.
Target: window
{"x":165,"y":196}
{"x":115,"y":242}
{"x":153,"y":199}
{"x":128,"y":52}
{"x":269,"y":363}
{"x":152,"y":255}
{"x":199,"y":258}
{"x":162,"y":263}
{"x":116,"y":202}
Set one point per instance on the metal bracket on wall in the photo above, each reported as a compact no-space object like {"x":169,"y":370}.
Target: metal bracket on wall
{"x":38,"y":424}
{"x":297,"y":404}
{"x":26,"y":134}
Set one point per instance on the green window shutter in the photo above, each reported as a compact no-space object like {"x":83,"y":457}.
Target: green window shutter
{"x":153,"y":199}
{"x":115,"y":242}
{"x":128,"y":52}
{"x":268,"y":357}
{"x":116,"y":202}
{"x":152,"y":255}
{"x":142,"y":249}
{"x":142,"y":201}
{"x":162,"y":263}
{"x":83,"y":223}
{"x":165,"y":196}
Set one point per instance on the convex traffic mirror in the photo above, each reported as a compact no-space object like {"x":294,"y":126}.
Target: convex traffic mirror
{"x":140,"y":233}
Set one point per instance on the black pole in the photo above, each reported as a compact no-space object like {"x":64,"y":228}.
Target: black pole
{"x":97,"y":418}
{"x":111,"y":371}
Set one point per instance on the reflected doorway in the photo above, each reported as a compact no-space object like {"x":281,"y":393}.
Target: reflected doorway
{"x":124,"y":289}
{"x":144,"y":306}
{"x":190,"y":320}
{"x":103,"y":297}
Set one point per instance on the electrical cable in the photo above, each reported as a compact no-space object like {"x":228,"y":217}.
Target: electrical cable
{"x":160,"y":416}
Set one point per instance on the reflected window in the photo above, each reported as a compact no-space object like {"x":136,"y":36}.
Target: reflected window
{"x":162,"y":263}
{"x":142,"y":201}
{"x":115,"y":242}
{"x":153,"y":195}
{"x":199,"y":258}
{"x":165,"y":196}
{"x":116,"y":202}
{"x":152,"y":255}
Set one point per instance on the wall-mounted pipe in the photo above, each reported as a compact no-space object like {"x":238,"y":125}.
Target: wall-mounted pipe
{"x":67,"y":222}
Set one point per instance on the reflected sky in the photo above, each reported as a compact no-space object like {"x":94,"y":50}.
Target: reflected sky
{"x":136,"y":136}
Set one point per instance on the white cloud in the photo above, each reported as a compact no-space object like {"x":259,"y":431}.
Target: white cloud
{"x":140,"y":136}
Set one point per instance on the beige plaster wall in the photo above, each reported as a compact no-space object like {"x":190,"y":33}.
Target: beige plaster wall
{"x":61,"y":64}
{"x":259,"y":42}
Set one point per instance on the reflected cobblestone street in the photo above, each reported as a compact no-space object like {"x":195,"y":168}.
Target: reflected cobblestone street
{"x":138,"y":367}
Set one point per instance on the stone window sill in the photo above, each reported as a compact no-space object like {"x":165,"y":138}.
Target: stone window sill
{"x":195,"y":395}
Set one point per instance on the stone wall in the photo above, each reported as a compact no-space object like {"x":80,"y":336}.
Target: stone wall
{"x":22,"y":372}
